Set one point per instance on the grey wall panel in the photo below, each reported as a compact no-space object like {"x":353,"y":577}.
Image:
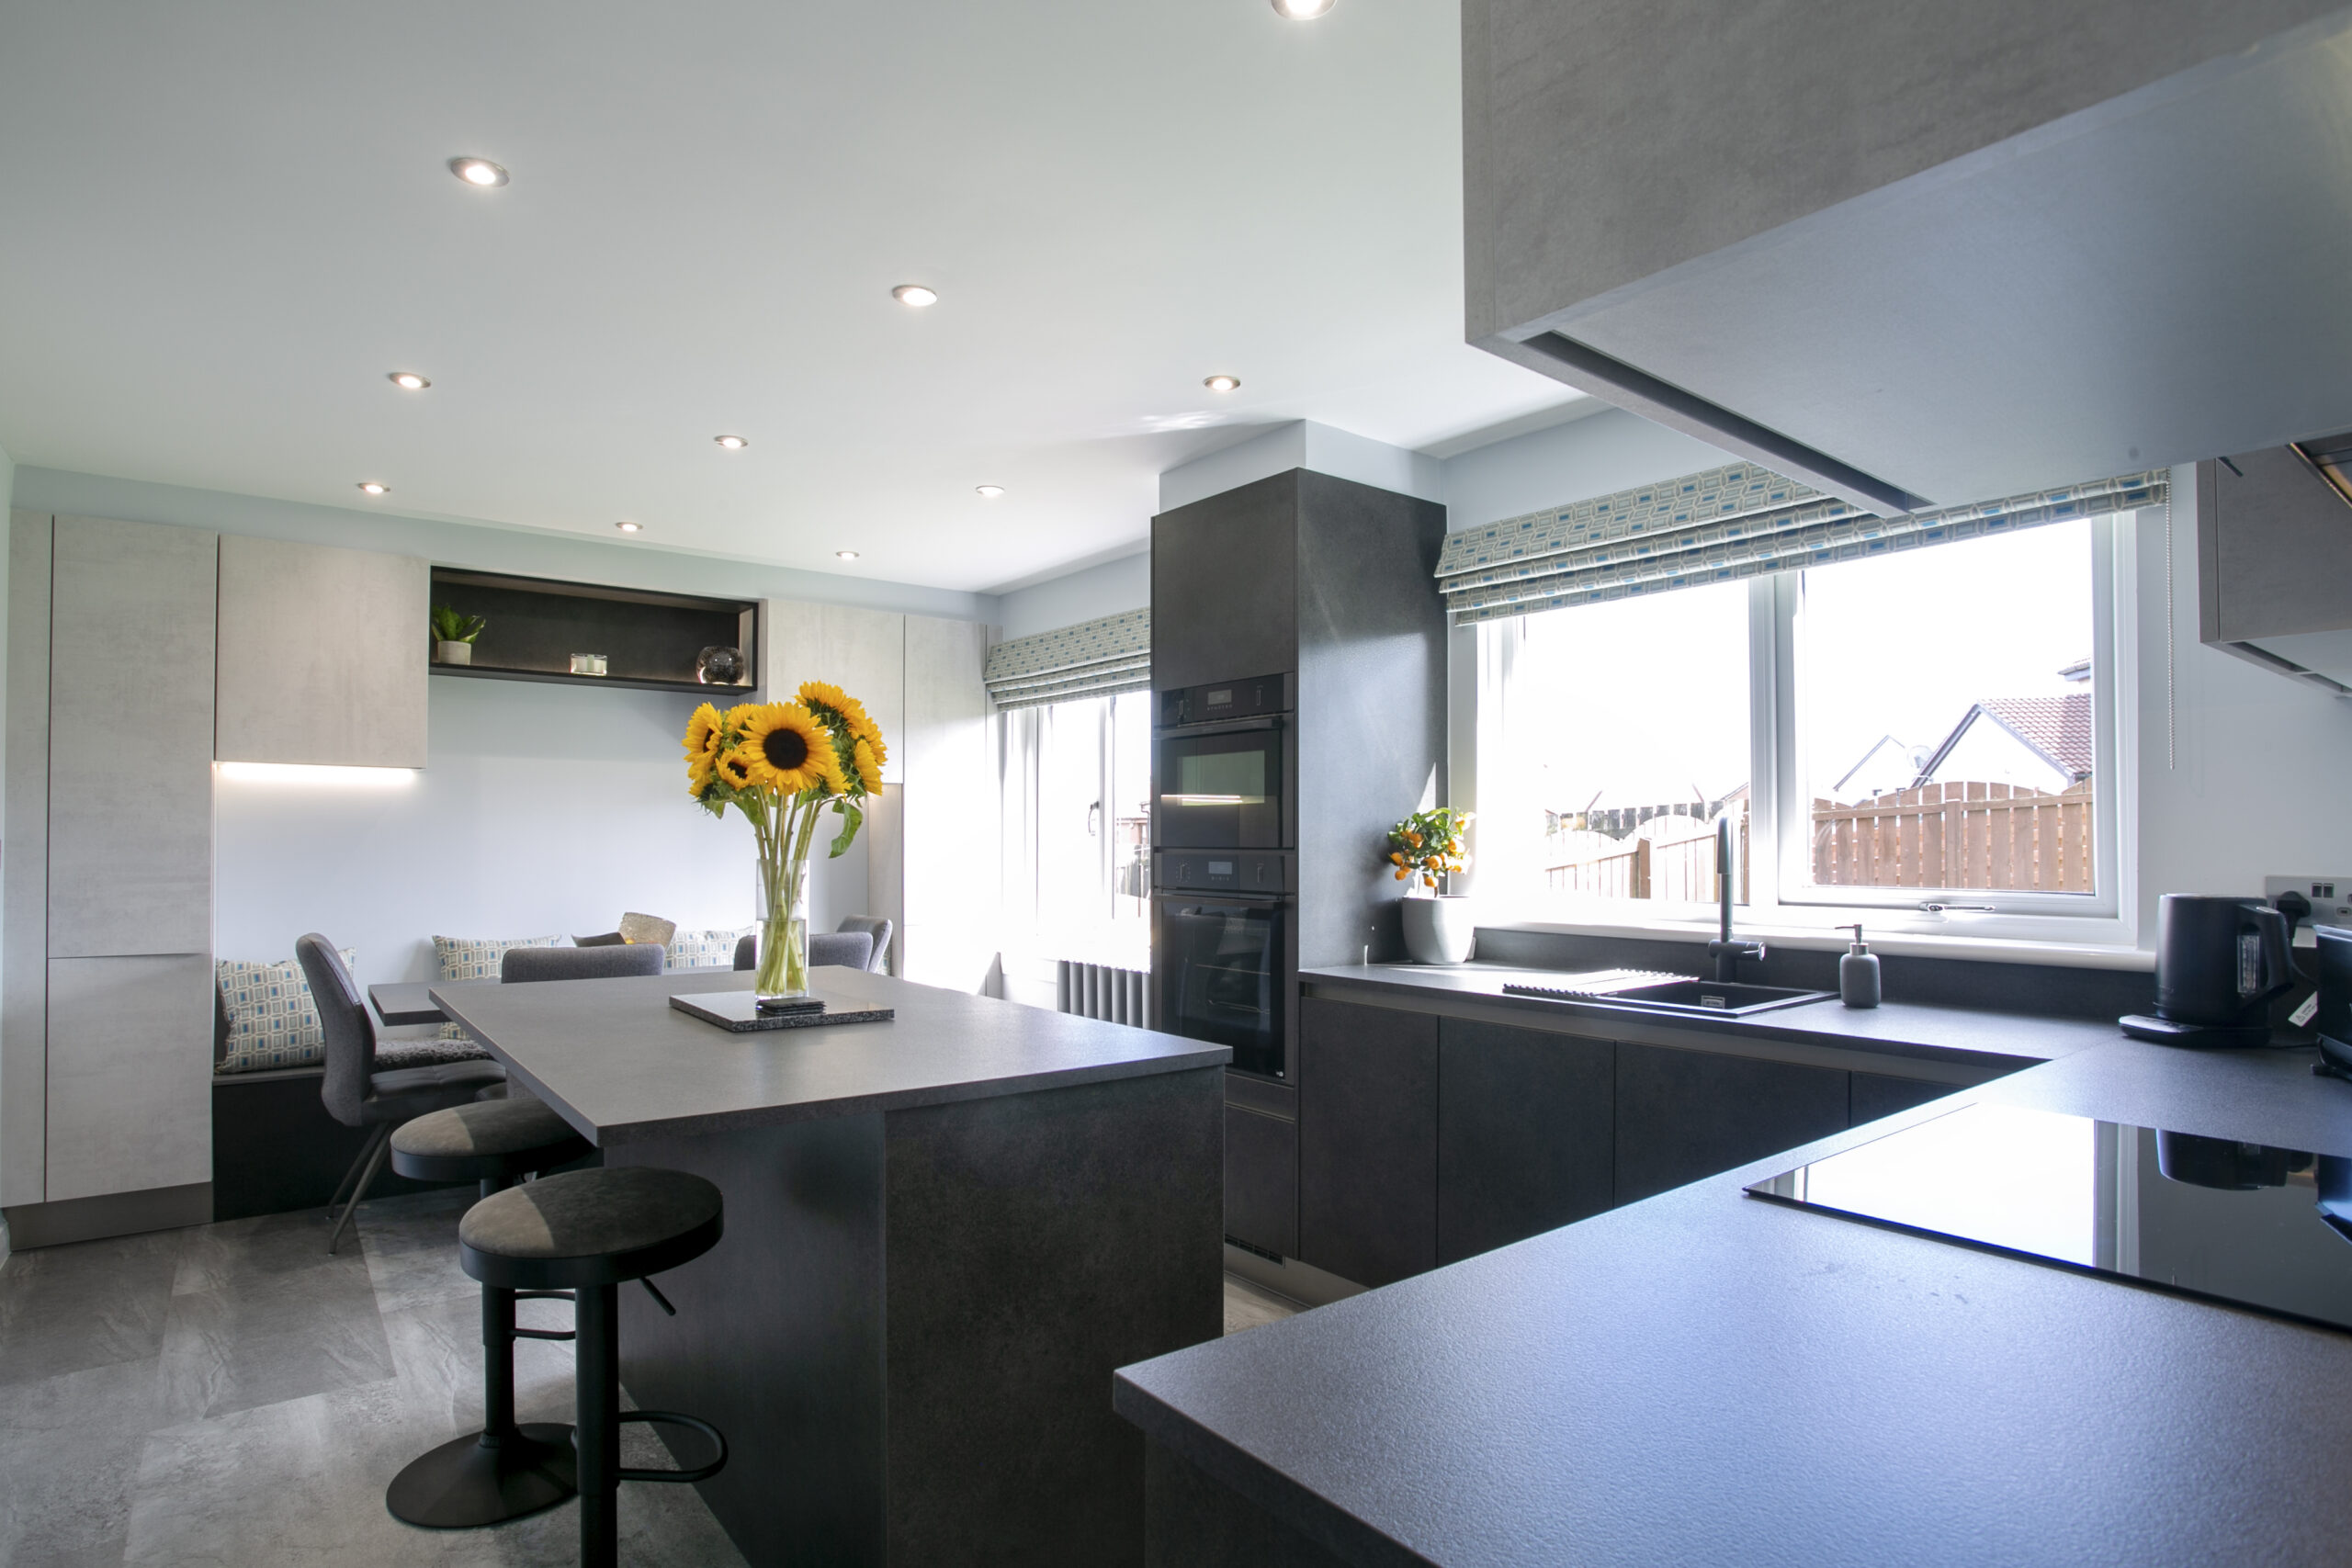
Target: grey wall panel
{"x":24,"y":869}
{"x":322,"y":655}
{"x":132,"y":607}
{"x":130,"y":1074}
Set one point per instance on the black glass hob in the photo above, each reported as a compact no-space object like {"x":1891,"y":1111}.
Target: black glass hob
{"x":2247,"y":1224}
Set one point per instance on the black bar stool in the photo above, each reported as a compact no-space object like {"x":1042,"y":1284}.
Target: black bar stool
{"x":592,"y":1231}
{"x":505,"y":1471}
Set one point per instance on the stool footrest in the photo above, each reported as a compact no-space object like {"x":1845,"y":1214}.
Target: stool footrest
{"x":544,"y":1296}
{"x":671,"y":1419}
{"x":545,"y":1334}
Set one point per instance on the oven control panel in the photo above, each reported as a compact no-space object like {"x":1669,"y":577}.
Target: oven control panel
{"x":1225,"y":871}
{"x":1224,"y":699}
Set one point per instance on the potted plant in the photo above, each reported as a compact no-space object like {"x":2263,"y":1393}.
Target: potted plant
{"x":1424,"y":847}
{"x":453,"y":636}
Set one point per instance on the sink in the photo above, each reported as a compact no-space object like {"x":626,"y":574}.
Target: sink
{"x":1684,"y":998}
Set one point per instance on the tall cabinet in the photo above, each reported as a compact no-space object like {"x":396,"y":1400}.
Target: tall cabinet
{"x":107,"y":1025}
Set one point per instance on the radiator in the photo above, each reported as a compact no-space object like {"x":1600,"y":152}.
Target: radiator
{"x":1097,"y":990}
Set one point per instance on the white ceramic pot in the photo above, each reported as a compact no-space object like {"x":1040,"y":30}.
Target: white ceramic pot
{"x":1438,"y":930}
{"x":455,"y":652}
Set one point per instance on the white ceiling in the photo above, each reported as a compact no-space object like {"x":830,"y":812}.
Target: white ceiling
{"x":220,"y":225}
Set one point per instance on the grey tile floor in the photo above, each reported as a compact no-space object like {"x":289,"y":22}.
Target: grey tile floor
{"x":229,"y":1394}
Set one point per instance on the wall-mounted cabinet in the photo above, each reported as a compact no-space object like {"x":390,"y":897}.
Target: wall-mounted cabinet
{"x":317,"y":656}
{"x":535,"y":626}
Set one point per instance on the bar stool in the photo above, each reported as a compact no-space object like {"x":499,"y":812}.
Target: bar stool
{"x":592,"y":1231}
{"x":505,"y":1471}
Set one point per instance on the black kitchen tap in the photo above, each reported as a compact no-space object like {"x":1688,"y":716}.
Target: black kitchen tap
{"x":1726,"y":952}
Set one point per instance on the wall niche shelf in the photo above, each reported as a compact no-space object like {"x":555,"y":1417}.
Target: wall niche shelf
{"x":532,"y":626}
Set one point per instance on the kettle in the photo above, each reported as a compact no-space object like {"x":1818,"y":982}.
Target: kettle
{"x":2219,"y":962}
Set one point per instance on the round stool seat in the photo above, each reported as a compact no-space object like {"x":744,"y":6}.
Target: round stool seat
{"x":485,"y":1140}
{"x":590,"y":1227}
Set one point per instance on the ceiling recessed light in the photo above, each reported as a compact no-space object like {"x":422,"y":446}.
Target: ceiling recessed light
{"x":915,"y":294}
{"x":1303,"y":10}
{"x":988,"y":492}
{"x":1222,"y":383}
{"x":408,"y":381}
{"x":628,"y":527}
{"x":846,"y":555}
{"x":478,"y":171}
{"x":374,"y":486}
{"x":733,"y":443}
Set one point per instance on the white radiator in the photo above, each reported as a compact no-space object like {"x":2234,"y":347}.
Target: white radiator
{"x":1097,"y":990}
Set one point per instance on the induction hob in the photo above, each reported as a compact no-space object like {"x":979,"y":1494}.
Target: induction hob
{"x":2248,"y":1225}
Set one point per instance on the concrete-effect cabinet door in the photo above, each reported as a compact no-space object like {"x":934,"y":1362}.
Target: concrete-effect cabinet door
{"x":130,"y":1074}
{"x":322,"y":655}
{"x":861,"y":652}
{"x":948,"y":854}
{"x":131,"y":608}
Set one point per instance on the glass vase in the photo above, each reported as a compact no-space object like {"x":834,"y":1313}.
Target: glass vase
{"x":784,"y":939}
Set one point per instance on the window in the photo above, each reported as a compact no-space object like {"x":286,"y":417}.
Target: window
{"x":1933,"y":726}
{"x":1077,"y":800}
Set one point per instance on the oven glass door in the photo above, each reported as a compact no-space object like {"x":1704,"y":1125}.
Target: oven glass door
{"x":1221,"y":790}
{"x":1224,"y":975}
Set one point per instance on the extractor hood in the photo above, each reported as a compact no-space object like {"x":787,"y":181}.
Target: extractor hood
{"x":1922,"y":254}
{"x":2274,"y":543}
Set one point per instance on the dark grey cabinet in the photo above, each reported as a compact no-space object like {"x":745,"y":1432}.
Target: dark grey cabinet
{"x":1224,"y":573}
{"x":1525,"y":1134}
{"x":1367,"y":1141}
{"x":1876,"y":1095}
{"x":1683,"y":1115}
{"x":1262,"y":1179}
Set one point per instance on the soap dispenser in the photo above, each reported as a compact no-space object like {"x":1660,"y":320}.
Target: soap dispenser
{"x":1857,"y":972}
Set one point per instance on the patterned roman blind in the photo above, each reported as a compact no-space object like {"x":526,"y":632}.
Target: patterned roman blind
{"x":1732,"y":521}
{"x":1094,"y":659}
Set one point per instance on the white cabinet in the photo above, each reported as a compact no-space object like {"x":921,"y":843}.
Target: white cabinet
{"x":130,"y":1074}
{"x":322,"y":655}
{"x":131,"y":610}
{"x":949,"y":818}
{"x":861,"y":652}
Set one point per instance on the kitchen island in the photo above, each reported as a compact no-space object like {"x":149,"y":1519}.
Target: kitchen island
{"x":943,"y":1234}
{"x":1703,"y":1377}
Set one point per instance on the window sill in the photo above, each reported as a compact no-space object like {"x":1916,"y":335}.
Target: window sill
{"x":1902,"y":944}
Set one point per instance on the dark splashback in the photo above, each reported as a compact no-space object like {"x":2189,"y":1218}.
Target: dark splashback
{"x":2046,"y":989}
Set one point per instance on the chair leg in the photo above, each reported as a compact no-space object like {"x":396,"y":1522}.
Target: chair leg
{"x":597,"y":1437}
{"x":360,"y":1194}
{"x":357,"y":1162}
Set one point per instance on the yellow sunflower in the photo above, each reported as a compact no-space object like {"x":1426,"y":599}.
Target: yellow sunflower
{"x":734,"y":768}
{"x":700,"y":768}
{"x":824,"y":693}
{"x":869,"y":757}
{"x":702,"y":732}
{"x":789,"y":751}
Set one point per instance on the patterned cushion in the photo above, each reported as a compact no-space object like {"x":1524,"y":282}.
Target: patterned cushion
{"x":704,"y":950}
{"x":392,"y":1056}
{"x":272,"y":1021}
{"x":477,"y":958}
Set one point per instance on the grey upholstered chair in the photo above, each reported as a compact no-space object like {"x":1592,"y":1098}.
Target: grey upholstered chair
{"x":848,"y":950}
{"x":355,"y":1094}
{"x":523,"y":965}
{"x":874,"y":926}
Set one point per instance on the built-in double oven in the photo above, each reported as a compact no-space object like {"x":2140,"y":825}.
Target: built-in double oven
{"x":1224,"y":882}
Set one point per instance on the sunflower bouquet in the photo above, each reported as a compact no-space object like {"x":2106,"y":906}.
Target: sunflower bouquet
{"x":783,"y":765}
{"x":1427,"y":844}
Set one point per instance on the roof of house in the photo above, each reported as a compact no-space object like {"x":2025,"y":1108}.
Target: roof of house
{"x":2058,"y":729}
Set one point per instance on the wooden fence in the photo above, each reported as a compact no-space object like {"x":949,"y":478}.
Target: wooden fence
{"x":1681,"y":869}
{"x":1957,"y":835}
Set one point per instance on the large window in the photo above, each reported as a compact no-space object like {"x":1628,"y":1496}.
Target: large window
{"x":1929,"y":735}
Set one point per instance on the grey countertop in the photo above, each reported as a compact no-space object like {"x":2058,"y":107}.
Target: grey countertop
{"x":1702,"y":1378}
{"x":1892,"y":1028}
{"x":618,"y":1061}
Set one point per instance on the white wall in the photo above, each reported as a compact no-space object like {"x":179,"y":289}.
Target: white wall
{"x":1303,"y":444}
{"x":2255,"y":781}
{"x":543,"y":809}
{"x":1065,"y":601}
{"x":1607,"y":451}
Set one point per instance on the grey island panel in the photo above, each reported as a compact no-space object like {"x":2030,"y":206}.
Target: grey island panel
{"x":619,"y":1062}
{"x":1704,"y":1379}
